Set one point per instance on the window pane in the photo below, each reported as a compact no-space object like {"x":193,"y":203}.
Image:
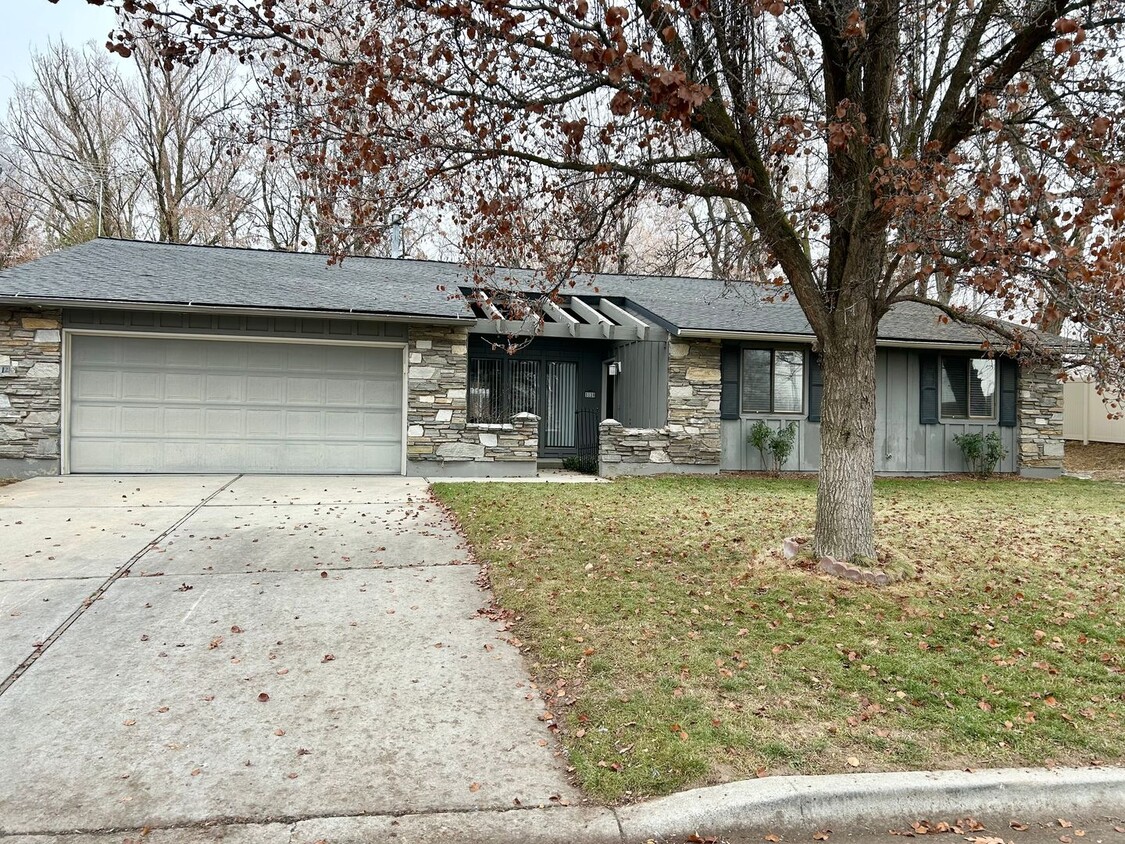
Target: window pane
{"x":788,"y":381}
{"x":486,"y":394}
{"x":523,"y":387}
{"x":954,"y":387}
{"x":982,"y":387}
{"x":756,"y":381}
{"x":562,"y":403}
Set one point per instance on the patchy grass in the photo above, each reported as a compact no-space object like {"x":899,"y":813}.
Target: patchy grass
{"x":679,"y":649}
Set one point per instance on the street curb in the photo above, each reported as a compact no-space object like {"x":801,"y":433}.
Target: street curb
{"x":841,"y":799}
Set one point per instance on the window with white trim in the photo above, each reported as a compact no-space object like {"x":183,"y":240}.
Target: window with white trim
{"x":968,"y":388}
{"x":773,"y":381}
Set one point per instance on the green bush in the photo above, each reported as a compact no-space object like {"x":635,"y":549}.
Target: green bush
{"x":982,"y":452}
{"x":774,"y":446}
{"x":585,"y":465}
{"x":781,"y":445}
{"x":759,"y":437}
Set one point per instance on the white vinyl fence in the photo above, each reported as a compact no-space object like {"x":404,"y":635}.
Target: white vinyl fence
{"x":1086,"y":416}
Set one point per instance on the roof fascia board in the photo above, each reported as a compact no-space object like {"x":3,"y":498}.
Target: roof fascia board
{"x":808,"y":338}
{"x":178,"y":307}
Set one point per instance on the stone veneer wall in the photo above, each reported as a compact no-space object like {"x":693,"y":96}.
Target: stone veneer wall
{"x":30,"y":403}
{"x":1040,"y":422}
{"x":439,"y":438}
{"x":691,"y":441}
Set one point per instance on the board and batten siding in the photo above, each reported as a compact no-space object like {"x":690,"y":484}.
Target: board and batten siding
{"x":903,"y":445}
{"x":642,"y":388}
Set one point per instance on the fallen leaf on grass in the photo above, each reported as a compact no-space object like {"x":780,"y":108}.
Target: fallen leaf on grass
{"x":696,"y":838}
{"x":853,"y":762}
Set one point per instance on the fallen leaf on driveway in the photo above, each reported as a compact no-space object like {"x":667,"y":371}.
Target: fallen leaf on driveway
{"x":822,"y":835}
{"x":328,"y":658}
{"x":474,"y":787}
{"x":279,"y":732}
{"x":771,"y":838}
{"x":218,"y":640}
{"x":130,"y":722}
{"x":263,"y":697}
{"x":1019,"y":827}
{"x":1065,"y":824}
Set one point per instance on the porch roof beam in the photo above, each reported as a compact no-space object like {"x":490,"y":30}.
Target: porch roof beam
{"x":559,"y":315}
{"x":624,"y":318}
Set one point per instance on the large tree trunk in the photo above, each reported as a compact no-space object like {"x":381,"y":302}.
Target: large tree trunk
{"x":844,"y":504}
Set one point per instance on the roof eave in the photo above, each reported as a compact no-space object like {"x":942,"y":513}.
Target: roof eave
{"x":764,"y":336}
{"x":242,"y":310}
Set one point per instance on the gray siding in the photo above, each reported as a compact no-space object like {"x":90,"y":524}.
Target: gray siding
{"x":902,"y":444}
{"x":642,"y":386}
{"x":249,"y":325}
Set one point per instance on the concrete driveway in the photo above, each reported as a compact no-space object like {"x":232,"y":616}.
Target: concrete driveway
{"x":290,"y":649}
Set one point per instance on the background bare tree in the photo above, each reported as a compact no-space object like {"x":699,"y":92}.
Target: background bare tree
{"x":196,"y":182}
{"x":67,"y":132}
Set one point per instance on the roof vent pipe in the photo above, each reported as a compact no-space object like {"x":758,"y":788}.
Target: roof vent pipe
{"x":397,"y":249}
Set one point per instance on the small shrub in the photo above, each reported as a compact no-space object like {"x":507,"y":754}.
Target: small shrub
{"x":759,"y":437}
{"x":774,"y":446}
{"x":781,"y":445}
{"x":585,"y":465}
{"x":982,"y":452}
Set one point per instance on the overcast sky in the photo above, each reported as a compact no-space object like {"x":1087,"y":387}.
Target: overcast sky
{"x":28,"y":24}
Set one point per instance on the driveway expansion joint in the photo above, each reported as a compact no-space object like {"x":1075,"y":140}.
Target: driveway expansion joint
{"x":123,"y":570}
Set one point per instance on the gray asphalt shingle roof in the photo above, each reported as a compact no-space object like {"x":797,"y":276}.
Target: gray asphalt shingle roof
{"x":160,"y":274}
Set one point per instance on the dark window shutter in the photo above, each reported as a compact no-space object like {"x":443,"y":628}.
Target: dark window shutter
{"x":928,"y":380}
{"x":729,"y":374}
{"x":1009,"y":383}
{"x":816,"y":386}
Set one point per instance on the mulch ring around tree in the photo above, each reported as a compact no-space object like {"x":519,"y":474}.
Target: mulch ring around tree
{"x":889,"y":566}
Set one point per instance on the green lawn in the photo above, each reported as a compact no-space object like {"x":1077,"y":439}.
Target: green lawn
{"x":677,"y":648}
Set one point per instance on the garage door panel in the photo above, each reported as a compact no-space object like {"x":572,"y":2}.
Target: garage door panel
{"x":94,"y":419}
{"x":140,"y":420}
{"x":218,"y":387}
{"x":183,"y":421}
{"x":141,"y":386}
{"x":97,"y":384}
{"x":178,"y":405}
{"x":265,"y":423}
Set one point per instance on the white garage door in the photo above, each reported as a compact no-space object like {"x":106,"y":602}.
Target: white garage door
{"x":156,"y":404}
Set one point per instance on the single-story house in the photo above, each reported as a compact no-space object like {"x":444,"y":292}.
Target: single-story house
{"x":123,"y":356}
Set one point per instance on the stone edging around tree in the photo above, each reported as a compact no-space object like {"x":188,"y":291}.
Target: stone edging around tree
{"x":794,"y":546}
